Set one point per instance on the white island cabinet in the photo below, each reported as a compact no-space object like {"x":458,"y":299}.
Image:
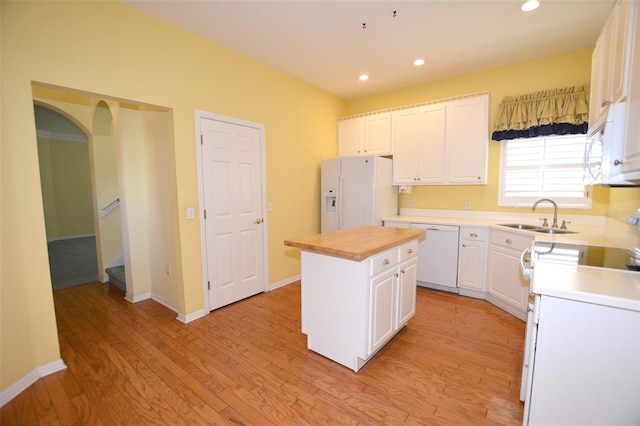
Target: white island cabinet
{"x":358,"y":289}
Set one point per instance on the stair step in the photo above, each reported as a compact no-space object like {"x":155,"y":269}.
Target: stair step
{"x":117,"y":277}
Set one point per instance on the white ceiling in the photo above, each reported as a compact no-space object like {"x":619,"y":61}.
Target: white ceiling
{"x":324,"y":44}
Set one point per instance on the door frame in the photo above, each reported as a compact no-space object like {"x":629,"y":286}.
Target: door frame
{"x":263,"y":193}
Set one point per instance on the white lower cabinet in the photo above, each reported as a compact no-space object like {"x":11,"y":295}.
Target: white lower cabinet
{"x":352,"y":309}
{"x":507,"y":287}
{"x":584,"y":363}
{"x":472,"y":261}
{"x":407,"y":274}
{"x":381,"y":310}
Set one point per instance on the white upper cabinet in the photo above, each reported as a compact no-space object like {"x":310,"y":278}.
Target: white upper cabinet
{"x":610,"y":61}
{"x":419,"y":141}
{"x":467,"y":141}
{"x":367,"y":135}
{"x":615,"y":78}
{"x":631,"y":147}
{"x":442,"y":144}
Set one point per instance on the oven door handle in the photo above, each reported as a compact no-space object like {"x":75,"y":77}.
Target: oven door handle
{"x":525,"y":271}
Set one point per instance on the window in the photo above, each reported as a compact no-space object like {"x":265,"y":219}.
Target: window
{"x":544,"y":167}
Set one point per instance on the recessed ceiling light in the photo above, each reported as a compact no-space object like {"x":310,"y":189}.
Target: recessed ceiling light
{"x":529,"y":5}
{"x":418,"y":62}
{"x":363,"y":77}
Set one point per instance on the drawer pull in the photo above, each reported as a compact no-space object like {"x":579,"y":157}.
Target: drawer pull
{"x":410,"y":251}
{"x":473,"y":234}
{"x":385,"y":262}
{"x":508,"y":241}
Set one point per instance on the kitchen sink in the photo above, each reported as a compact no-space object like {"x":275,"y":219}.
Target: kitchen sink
{"x":535,"y":228}
{"x":553,"y":231}
{"x":520,"y":226}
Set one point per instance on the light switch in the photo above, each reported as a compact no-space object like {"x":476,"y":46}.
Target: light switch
{"x":190,"y":213}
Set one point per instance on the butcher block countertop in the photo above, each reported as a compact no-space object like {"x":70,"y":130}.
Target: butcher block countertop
{"x":356,"y":243}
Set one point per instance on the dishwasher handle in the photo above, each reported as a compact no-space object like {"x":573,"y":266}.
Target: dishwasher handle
{"x":525,"y":270}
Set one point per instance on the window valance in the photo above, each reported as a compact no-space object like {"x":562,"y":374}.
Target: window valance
{"x":551,"y":112}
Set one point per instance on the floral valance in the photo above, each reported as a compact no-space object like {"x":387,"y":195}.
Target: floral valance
{"x":551,"y":112}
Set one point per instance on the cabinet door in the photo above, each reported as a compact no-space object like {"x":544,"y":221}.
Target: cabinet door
{"x":471,"y":266}
{"x":597,"y":95}
{"x":349,"y":137}
{"x":467,"y":141}
{"x":619,"y":56}
{"x":431,"y":144}
{"x":406,"y":291}
{"x":631,"y":153}
{"x":405,"y":147}
{"x":381,"y":310}
{"x":377,"y":134}
{"x":504,"y":279}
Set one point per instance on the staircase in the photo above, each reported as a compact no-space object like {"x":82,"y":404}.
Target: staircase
{"x":117,"y":277}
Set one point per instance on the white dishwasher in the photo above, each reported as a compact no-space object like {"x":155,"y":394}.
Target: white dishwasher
{"x":438,"y":257}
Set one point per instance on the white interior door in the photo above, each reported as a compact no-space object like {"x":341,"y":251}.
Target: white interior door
{"x":233,"y":211}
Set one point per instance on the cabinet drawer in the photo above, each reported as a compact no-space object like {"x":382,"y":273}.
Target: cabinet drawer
{"x":514,"y":241}
{"x":408,"y":250}
{"x":385,"y":260}
{"x":474,"y":234}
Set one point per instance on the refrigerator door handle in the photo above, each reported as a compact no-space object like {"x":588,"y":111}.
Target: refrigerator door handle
{"x":339,"y":200}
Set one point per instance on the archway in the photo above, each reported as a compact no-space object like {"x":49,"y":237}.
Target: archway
{"x":63,"y":153}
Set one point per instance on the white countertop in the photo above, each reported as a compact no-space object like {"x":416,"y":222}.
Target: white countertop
{"x":609,"y":287}
{"x":601,"y":286}
{"x":589,"y":230}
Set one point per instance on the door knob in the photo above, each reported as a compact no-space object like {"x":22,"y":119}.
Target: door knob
{"x":258,"y":221}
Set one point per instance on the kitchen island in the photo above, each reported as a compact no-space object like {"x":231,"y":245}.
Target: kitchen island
{"x":358,"y":289}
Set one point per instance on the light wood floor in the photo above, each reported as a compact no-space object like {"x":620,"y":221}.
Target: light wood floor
{"x":457,"y":362}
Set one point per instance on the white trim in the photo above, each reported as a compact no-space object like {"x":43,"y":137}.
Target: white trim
{"x":164,"y":302}
{"x":435,"y":101}
{"x":117,"y":261}
{"x":138,"y":297}
{"x":30,"y":378}
{"x":285,"y":282}
{"x":263,"y":165}
{"x":181,"y":317}
{"x":506,"y":307}
{"x":191,"y":317}
{"x":62,"y":137}
{"x":71,"y":237}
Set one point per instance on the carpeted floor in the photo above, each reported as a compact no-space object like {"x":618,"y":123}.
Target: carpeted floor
{"x":73,"y":262}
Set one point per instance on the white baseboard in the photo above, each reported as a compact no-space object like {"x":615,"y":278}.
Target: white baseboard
{"x":33,"y":376}
{"x":507,"y":307}
{"x":284,"y":282}
{"x":181,"y":317}
{"x":164,"y":302}
{"x":71,"y":237}
{"x":191,"y":317}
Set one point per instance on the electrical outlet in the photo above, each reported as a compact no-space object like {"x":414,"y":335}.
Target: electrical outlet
{"x":168,"y":269}
{"x":412,"y":203}
{"x":467,"y":204}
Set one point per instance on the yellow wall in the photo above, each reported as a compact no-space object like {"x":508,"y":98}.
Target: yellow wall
{"x":68,"y":205}
{"x":110,"y":49}
{"x":552,"y":72}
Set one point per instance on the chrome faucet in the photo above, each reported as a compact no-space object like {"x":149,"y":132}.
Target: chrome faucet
{"x":555,"y":210}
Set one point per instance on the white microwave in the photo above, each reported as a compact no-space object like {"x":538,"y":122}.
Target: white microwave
{"x":604,"y":148}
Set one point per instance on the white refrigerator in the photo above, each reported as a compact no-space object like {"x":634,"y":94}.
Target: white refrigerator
{"x":356,"y":191}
